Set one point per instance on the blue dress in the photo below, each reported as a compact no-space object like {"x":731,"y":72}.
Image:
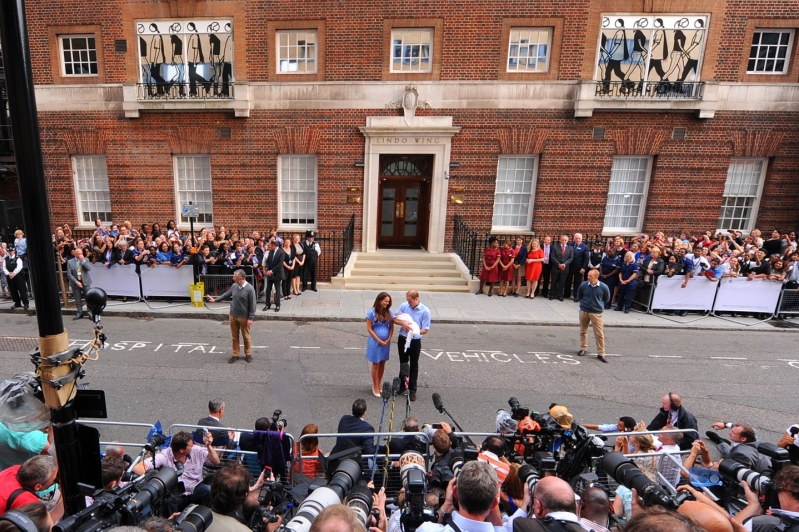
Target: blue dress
{"x":375,"y":352}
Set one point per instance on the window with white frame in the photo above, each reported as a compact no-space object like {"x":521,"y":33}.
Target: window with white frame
{"x":78,"y":55}
{"x":515,"y":191}
{"x":528,"y":49}
{"x":742,"y":194}
{"x":296,"y":51}
{"x":91,"y":188}
{"x":193,"y":184}
{"x":412,"y":50}
{"x":297,"y":190}
{"x":629,"y":182}
{"x":769,"y":51}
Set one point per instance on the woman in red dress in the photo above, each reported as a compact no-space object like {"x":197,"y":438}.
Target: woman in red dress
{"x":490,"y":272}
{"x":535,"y":263}
{"x":506,"y":270}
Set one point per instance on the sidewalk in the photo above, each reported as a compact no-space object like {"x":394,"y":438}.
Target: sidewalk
{"x":331,"y":304}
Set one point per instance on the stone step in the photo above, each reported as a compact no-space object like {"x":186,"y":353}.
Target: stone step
{"x":405,"y":279}
{"x":398,"y":264}
{"x":410,"y":257}
{"x":406,"y":286}
{"x":359,"y":271}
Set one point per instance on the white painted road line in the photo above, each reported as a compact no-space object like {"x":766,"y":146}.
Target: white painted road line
{"x":354,"y":348}
{"x":665,"y":356}
{"x":728,"y":358}
{"x":304,"y":347}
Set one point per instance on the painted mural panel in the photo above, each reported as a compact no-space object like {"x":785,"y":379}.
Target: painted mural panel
{"x":186,"y":58}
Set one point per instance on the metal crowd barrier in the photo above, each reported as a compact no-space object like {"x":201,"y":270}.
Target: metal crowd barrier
{"x":217,"y":284}
{"x":788,"y":304}
{"x":642,"y":297}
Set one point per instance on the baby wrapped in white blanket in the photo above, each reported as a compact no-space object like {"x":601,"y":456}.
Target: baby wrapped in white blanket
{"x":406,"y":318}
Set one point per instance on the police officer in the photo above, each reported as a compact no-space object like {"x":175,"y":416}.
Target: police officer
{"x":13,"y":269}
{"x":312,"y":252}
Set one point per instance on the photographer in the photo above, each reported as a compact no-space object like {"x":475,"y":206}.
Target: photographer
{"x":476,"y":490}
{"x":493,"y":453}
{"x":741,"y":447}
{"x":36,"y":512}
{"x":400,"y":445}
{"x":786,"y":517}
{"x":229,"y":490}
{"x":187,"y":460}
{"x":33,"y":481}
{"x":440,"y":472}
{"x":554,"y":508}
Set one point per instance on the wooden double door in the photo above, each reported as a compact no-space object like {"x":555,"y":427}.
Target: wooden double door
{"x":404,"y":206}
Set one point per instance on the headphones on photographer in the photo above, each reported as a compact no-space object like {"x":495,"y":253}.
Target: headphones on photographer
{"x":673,"y":406}
{"x":20,"y":520}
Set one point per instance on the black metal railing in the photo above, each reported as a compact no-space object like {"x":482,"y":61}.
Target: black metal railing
{"x":185,"y":91}
{"x":6,"y":141}
{"x":645,"y":90}
{"x":464,"y":243}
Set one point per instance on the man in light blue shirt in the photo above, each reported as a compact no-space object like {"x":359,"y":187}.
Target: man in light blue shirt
{"x":421,"y":316}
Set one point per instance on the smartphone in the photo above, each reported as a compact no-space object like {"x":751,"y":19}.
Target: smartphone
{"x":437,"y":426}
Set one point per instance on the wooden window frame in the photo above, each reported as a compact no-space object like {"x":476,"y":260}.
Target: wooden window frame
{"x":555,"y":25}
{"x":272,"y":27}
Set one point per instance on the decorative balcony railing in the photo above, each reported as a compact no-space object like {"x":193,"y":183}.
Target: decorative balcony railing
{"x":185,"y":91}
{"x":650,"y":90}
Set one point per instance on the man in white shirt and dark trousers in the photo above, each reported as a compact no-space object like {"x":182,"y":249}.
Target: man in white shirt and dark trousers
{"x":593,"y":295}
{"x":12,"y":268}
{"x":421,"y":316}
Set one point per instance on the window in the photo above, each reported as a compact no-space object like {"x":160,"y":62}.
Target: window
{"x":742,"y":194}
{"x":528,"y":50}
{"x":79,"y":55}
{"x":91,"y":189}
{"x":296,"y":51}
{"x":411,"y":50}
{"x":769,"y":52}
{"x":193,"y":183}
{"x":297,"y":192}
{"x":513,"y":198}
{"x":629,"y":182}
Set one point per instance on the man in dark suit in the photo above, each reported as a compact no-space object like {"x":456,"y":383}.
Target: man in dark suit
{"x":553,"y":507}
{"x":578,"y":266}
{"x":560,"y":260}
{"x":79,"y":279}
{"x":355,"y":424}
{"x":274,"y":273}
{"x":546,"y":270}
{"x":216,"y":409}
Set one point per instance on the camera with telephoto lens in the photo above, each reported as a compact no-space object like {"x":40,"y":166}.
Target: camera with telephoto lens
{"x":518,"y":412}
{"x":127,"y":506}
{"x":194,"y":518}
{"x":278,"y":424}
{"x":413,"y":475}
{"x":733,"y":473}
{"x":346,"y":475}
{"x":627,"y":473}
{"x":462,"y":451}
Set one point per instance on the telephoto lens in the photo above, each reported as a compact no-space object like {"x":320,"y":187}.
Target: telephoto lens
{"x":735,"y":471}
{"x":360,"y":500}
{"x":344,"y":478}
{"x":529,"y":476}
{"x":153,"y":489}
{"x":627,"y":473}
{"x":196,"y":520}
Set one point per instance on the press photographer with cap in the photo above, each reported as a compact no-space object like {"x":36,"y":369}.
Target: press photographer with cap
{"x":312,"y":253}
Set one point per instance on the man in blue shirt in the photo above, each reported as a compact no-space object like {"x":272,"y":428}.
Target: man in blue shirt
{"x":421,"y":316}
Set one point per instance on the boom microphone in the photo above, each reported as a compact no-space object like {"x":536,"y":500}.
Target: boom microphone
{"x":385,"y":393}
{"x":395,"y":386}
{"x":437,"y":403}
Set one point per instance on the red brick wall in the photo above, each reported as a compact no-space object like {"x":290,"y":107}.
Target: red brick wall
{"x":685,"y":189}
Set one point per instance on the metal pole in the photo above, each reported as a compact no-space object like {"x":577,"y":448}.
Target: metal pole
{"x":36,"y":216}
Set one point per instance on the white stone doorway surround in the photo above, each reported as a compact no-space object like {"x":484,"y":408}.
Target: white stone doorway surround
{"x":421,"y":135}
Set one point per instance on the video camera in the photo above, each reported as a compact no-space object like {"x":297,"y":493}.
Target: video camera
{"x":628,"y":474}
{"x":132,"y":504}
{"x":278,"y":424}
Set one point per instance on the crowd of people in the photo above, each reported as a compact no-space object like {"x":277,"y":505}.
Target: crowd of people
{"x":554,"y":267}
{"x":485,"y":493}
{"x":291,"y":270}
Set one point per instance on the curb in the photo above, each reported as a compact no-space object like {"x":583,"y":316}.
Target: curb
{"x":222,"y":316}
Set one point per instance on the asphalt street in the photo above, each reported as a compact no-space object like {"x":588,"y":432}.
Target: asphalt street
{"x":167,"y":370}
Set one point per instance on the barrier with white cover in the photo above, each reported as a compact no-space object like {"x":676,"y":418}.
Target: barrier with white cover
{"x":698,"y":295}
{"x":118,"y":280}
{"x":739,"y":294}
{"x":166,"y":281}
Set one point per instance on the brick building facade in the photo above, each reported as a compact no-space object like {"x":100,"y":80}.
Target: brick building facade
{"x":605,"y":116}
